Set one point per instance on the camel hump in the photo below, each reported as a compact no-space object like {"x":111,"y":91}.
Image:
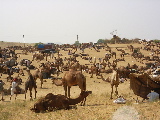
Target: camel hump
{"x":49,"y":95}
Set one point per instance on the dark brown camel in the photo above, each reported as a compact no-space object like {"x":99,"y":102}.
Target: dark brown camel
{"x":71,"y":78}
{"x":30,"y":84}
{"x":54,"y":102}
{"x":113,"y":53}
{"x":93,"y":70}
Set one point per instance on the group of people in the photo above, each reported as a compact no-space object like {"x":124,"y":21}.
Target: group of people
{"x":14,"y":86}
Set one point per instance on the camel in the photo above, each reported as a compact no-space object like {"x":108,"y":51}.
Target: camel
{"x":121,"y":50}
{"x":55,"y":102}
{"x":130,"y":47}
{"x":113,"y":53}
{"x":113,"y":80}
{"x":38,"y":74}
{"x":93,"y":70}
{"x":37,"y":57}
{"x":76,"y":65}
{"x":71,"y":78}
{"x":30,"y":84}
{"x":123,"y":72}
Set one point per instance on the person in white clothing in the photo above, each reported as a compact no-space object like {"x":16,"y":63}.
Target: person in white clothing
{"x":153,"y":96}
{"x":2,"y":89}
{"x":13,"y":88}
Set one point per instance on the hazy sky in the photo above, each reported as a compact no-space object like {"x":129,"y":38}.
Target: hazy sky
{"x":60,"y":21}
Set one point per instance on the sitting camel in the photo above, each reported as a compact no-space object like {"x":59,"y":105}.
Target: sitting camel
{"x":51,"y":102}
{"x":114,"y":81}
{"x":70,"y":78}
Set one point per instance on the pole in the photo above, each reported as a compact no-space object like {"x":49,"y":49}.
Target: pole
{"x":77,"y":37}
{"x":23,"y":41}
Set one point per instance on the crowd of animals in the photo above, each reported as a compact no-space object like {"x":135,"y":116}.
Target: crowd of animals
{"x":51,"y":65}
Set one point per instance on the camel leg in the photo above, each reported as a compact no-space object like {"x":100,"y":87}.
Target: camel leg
{"x":69,"y":91}
{"x":116,"y":91}
{"x":41,"y":82}
{"x":96,"y":72}
{"x":111,"y":92}
{"x":65,"y":89}
{"x":10,"y":97}
{"x":25,"y":94}
{"x":2,"y":96}
{"x":30,"y":94}
{"x":91,"y":75}
{"x":35,"y":92}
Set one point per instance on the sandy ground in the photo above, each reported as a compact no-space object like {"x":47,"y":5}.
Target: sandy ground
{"x":100,"y":89}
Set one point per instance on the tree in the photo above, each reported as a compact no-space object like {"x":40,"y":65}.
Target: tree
{"x":156,"y":41}
{"x":100,"y":41}
{"x":125,"y":40}
{"x":77,"y":43}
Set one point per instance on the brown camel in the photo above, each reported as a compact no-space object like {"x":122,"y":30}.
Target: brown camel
{"x":93,"y":70}
{"x":71,"y":78}
{"x":38,"y":74}
{"x":114,"y":81}
{"x":30,"y":84}
{"x":53,"y":102}
{"x":113,"y":53}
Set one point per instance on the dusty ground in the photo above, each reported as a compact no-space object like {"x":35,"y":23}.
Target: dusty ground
{"x":98,"y":105}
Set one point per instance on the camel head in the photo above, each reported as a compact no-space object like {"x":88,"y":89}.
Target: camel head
{"x":85,"y":93}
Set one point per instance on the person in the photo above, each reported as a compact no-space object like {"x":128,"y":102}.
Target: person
{"x":2,"y":89}
{"x":153,"y":96}
{"x":13,"y":87}
{"x":121,"y":80}
{"x":0,"y":54}
{"x":28,"y":63}
{"x":69,"y":52}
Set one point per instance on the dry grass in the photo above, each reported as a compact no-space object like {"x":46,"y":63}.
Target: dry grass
{"x":98,"y":105}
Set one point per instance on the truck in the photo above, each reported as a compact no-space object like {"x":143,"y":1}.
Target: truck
{"x":46,"y":48}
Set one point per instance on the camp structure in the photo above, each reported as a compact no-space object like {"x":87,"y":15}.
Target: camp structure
{"x":142,"y":84}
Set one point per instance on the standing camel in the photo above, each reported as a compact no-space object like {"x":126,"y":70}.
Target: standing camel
{"x":114,"y":81}
{"x":38,"y":74}
{"x":30,"y":84}
{"x":71,"y":78}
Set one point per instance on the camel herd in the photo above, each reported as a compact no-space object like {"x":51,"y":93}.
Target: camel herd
{"x":52,"y":65}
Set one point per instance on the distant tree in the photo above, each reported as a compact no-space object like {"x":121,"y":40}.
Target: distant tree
{"x":125,"y":41}
{"x":77,"y":43}
{"x":135,"y":40}
{"x":116,"y":39}
{"x":100,"y":41}
{"x":156,"y":41}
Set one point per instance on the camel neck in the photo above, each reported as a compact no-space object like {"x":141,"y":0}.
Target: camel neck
{"x":76,"y":100}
